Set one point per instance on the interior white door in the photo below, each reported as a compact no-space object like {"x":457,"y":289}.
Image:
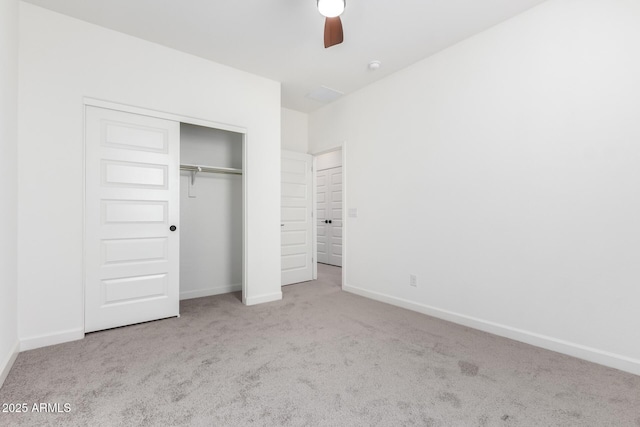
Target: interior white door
{"x":296,"y":218}
{"x":334,"y":179}
{"x":132,"y":211}
{"x":329,"y":211}
{"x":322,"y":207}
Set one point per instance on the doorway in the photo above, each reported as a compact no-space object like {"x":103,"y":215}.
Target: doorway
{"x":210,"y":211}
{"x":329,"y":220}
{"x":329,"y":196}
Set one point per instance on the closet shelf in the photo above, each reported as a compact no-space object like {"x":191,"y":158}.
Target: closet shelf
{"x":210,"y":169}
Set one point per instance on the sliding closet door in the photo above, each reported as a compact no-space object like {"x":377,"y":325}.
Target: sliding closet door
{"x":132,"y":213}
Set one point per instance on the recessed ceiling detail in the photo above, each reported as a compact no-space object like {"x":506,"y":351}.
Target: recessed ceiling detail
{"x":324,"y":94}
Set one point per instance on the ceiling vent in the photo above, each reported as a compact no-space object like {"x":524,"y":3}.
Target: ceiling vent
{"x":324,"y":94}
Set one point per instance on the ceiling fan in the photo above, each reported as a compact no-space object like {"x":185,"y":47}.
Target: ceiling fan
{"x":332,"y":9}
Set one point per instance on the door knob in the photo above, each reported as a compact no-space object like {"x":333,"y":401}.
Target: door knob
{"x":330,"y":222}
{"x":173,"y":228}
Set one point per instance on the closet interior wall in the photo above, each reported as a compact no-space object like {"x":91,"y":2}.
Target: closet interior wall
{"x":210,"y":213}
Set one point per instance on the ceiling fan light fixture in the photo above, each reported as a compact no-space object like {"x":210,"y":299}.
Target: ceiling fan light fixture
{"x":331,"y":8}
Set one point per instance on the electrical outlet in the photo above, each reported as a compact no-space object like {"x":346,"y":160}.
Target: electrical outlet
{"x":413,"y":280}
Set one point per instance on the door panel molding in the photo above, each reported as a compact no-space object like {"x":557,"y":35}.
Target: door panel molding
{"x":296,"y":216}
{"x":329,"y":219}
{"x":131,"y":258}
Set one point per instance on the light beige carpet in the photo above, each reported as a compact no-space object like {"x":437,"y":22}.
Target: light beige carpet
{"x":318,"y":357}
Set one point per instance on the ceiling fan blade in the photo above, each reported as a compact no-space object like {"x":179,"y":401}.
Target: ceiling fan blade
{"x":333,"y":34}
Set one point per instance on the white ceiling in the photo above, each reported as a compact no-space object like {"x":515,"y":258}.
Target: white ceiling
{"x":283,"y":39}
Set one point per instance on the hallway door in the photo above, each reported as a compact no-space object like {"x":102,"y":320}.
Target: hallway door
{"x":329,"y":221}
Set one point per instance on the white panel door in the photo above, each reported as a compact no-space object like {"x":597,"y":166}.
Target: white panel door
{"x":329,"y":210}
{"x":334,"y":179}
{"x":322,"y":208}
{"x":296,"y":218}
{"x":132,"y":204}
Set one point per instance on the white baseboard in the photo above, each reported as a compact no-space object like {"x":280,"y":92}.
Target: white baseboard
{"x":7,"y":362}
{"x":590,"y":354}
{"x":199,"y":293}
{"x":277,"y":296}
{"x":31,"y":343}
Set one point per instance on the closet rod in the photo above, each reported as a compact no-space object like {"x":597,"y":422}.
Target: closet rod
{"x":211,"y":169}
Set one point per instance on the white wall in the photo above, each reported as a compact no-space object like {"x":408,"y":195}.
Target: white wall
{"x":63,"y":60}
{"x":210,"y":213}
{"x":8,"y":184}
{"x":295,"y":130}
{"x":332,"y":159}
{"x":506,"y":171}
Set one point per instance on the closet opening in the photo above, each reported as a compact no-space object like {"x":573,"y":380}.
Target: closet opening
{"x":211,"y":211}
